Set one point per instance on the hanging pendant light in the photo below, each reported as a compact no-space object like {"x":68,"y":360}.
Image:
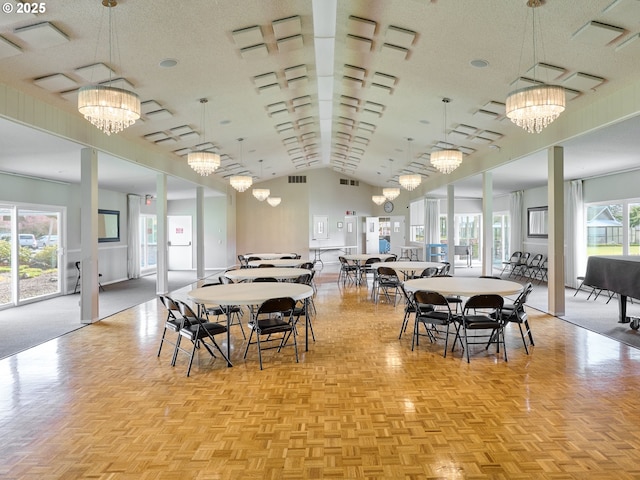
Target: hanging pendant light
{"x":203,"y":162}
{"x":379,"y":199}
{"x":241,"y":182}
{"x":447,"y":160}
{"x":109,"y":108}
{"x":391,"y":193}
{"x":413,"y":180}
{"x":534,"y":108}
{"x":274,"y":201}
{"x":261,"y":193}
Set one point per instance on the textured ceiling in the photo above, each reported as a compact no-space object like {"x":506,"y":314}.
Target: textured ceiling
{"x":255,"y":61}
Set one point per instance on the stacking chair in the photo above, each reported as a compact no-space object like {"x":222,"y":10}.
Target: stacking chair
{"x":520,"y":268}
{"x":432,"y":309}
{"x":533,"y":267}
{"x":272,"y":317}
{"x":444,"y":270}
{"x":409,"y":309}
{"x":305,"y":308}
{"x":388,"y":282}
{"x":242,"y":261}
{"x":392,"y":258}
{"x":79,"y":270}
{"x":173,"y":321}
{"x":232,"y":313}
{"x":366,"y":269}
{"x":509,"y":265}
{"x":516,"y":313}
{"x":348,"y":271}
{"x":197,"y":330}
{"x":481,"y":312}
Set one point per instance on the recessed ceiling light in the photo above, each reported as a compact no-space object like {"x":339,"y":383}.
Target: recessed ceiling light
{"x":225,"y":122}
{"x":168,"y":63}
{"x":425,"y":122}
{"x":479,"y":63}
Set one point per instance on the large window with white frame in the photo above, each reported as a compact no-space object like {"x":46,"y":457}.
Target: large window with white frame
{"x":148,"y":243}
{"x":416,"y":221}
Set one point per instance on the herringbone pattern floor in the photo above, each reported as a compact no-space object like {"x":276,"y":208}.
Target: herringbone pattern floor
{"x":98,"y":403}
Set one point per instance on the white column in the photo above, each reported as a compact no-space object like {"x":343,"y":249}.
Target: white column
{"x":200,"y":233}
{"x":487,"y":223}
{"x":89,"y":236}
{"x":556,"y":231}
{"x":451,"y":241}
{"x":162,"y":277}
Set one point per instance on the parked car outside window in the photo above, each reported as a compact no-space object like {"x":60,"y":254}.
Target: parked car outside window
{"x":28,"y":240}
{"x":47,"y":240}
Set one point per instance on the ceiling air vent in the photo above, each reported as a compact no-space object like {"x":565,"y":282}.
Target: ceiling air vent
{"x":353,"y":183}
{"x":297,"y":179}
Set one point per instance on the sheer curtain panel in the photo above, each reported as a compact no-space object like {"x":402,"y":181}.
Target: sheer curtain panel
{"x":133,"y":238}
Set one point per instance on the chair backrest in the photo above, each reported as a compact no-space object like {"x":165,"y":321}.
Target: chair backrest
{"x":171,"y":306}
{"x":444,"y":270}
{"x":392,"y":258}
{"x":266,"y":265}
{"x":275,"y":305}
{"x":387,"y":272}
{"x":265,"y":279}
{"x":524,"y":258}
{"x":78,"y":266}
{"x":490,"y":301}
{"x":252,"y":259}
{"x":189,"y":316}
{"x":304,"y":279}
{"x":429,"y":272}
{"x":307,"y":265}
{"x":515,"y":256}
{"x":425,"y":297}
{"x":372,"y":260}
{"x":490,"y":276}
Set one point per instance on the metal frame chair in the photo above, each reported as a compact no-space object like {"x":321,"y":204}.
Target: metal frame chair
{"x":272,"y":317}
{"x":197,"y":330}
{"x":432,"y":309}
{"x":472,"y":320}
{"x":173,"y":321}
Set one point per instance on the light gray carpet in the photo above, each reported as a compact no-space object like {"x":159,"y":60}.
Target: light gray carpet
{"x":28,"y":325}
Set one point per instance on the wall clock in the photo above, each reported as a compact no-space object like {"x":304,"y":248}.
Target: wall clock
{"x":388,"y":207}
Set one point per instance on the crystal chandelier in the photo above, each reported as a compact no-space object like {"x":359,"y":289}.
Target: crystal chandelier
{"x":203,"y":162}
{"x":391,"y":193}
{"x":241,"y":182}
{"x":446,"y":161}
{"x":109,"y":108}
{"x":534,"y":108}
{"x":410,"y":181}
{"x":379,"y":199}
{"x":261,"y":193}
{"x":274,"y":201}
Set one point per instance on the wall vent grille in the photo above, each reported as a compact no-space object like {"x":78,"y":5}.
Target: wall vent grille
{"x":297,"y":179}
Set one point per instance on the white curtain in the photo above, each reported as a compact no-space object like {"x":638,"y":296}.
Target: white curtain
{"x":133,"y":239}
{"x":432,"y":221}
{"x":515,"y":212}
{"x":575,"y":235}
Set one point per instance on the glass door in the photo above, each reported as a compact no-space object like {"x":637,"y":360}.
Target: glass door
{"x":6,"y":281}
{"x":501,"y":233}
{"x":148,"y":243}
{"x":38,"y":253}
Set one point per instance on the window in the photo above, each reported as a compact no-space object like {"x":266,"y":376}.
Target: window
{"x":148,"y":242}
{"x":605,"y":229}
{"x":416,"y":221}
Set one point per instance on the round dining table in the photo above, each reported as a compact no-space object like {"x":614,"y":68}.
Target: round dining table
{"x":251,"y":294}
{"x":269,"y":256}
{"x":359,"y":259}
{"x":408,"y":268}
{"x":279,"y":273}
{"x":279,"y":262}
{"x":464,"y":286}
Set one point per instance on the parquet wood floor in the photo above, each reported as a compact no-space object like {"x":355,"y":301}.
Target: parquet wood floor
{"x":98,"y":403}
